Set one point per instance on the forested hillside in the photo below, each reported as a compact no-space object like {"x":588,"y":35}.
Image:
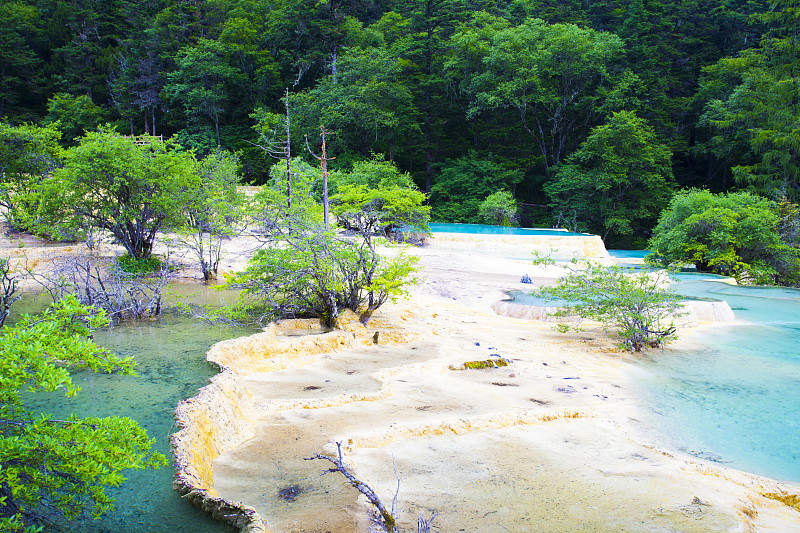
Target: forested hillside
{"x":590,"y":113}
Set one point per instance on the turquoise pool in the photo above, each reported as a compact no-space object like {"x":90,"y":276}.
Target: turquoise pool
{"x":629,"y":254}
{"x":735,"y":398}
{"x":485,"y":229}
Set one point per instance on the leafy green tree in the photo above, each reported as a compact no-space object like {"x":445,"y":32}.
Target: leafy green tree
{"x":734,"y":234}
{"x":365,"y":106}
{"x":424,"y":48}
{"x":136,"y":84}
{"x":637,"y":306}
{"x":201,"y":84}
{"x":260,"y":73}
{"x":18,"y":61}
{"x":306,"y":37}
{"x":91,"y":36}
{"x":376,"y":198}
{"x":464,"y":183}
{"x":372,"y":173}
{"x":28,"y":154}
{"x":499,"y":209}
{"x":53,"y":468}
{"x":307,"y":271}
{"x":757,"y":118}
{"x":305,"y":187}
{"x":110,"y":183}
{"x":73,"y":115}
{"x":387,"y":211}
{"x":556,"y":77}
{"x":618,"y":180}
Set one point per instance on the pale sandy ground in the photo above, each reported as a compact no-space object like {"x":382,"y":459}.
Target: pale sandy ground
{"x":549,"y":443}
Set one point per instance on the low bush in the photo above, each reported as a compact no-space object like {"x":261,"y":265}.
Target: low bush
{"x":132,"y":265}
{"x":638,"y":307}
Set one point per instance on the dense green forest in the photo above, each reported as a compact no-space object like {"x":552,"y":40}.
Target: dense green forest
{"x":590,"y":113}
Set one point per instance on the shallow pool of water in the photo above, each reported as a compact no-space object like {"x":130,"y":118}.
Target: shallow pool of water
{"x":171,"y":366}
{"x":527,"y":298}
{"x":734,"y":398}
{"x":629,"y":254}
{"x":485,"y":229}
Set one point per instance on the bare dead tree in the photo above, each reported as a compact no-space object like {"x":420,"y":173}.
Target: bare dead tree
{"x":323,"y":159}
{"x":205,"y":239}
{"x":9,"y":296}
{"x":386,"y":519}
{"x":278,"y":148}
{"x":104,"y":285}
{"x":288,"y":154}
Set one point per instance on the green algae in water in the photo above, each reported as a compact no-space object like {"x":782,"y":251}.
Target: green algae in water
{"x":171,"y":366}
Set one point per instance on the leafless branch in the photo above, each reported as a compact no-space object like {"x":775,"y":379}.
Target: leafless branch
{"x":104,"y":285}
{"x":387,"y":519}
{"x":9,"y":285}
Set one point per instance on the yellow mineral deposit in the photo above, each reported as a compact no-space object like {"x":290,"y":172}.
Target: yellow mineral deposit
{"x":549,"y":442}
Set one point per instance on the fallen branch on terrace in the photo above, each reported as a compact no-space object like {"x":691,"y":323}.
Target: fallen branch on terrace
{"x":387,"y":520}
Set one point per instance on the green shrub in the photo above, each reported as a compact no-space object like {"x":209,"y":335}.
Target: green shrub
{"x":499,"y":209}
{"x":637,"y":306}
{"x":131,"y":265}
{"x":736,"y":234}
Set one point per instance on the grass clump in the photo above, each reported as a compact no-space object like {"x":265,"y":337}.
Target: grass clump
{"x":132,"y":265}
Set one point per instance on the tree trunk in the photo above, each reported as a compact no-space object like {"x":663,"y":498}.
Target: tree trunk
{"x":288,"y":157}
{"x":333,"y":64}
{"x":325,"y":182}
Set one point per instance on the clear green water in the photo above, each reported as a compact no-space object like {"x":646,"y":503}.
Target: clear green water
{"x":171,"y":365}
{"x":735,"y":398}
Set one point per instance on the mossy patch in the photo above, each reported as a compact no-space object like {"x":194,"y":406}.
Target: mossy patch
{"x":477,"y":365}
